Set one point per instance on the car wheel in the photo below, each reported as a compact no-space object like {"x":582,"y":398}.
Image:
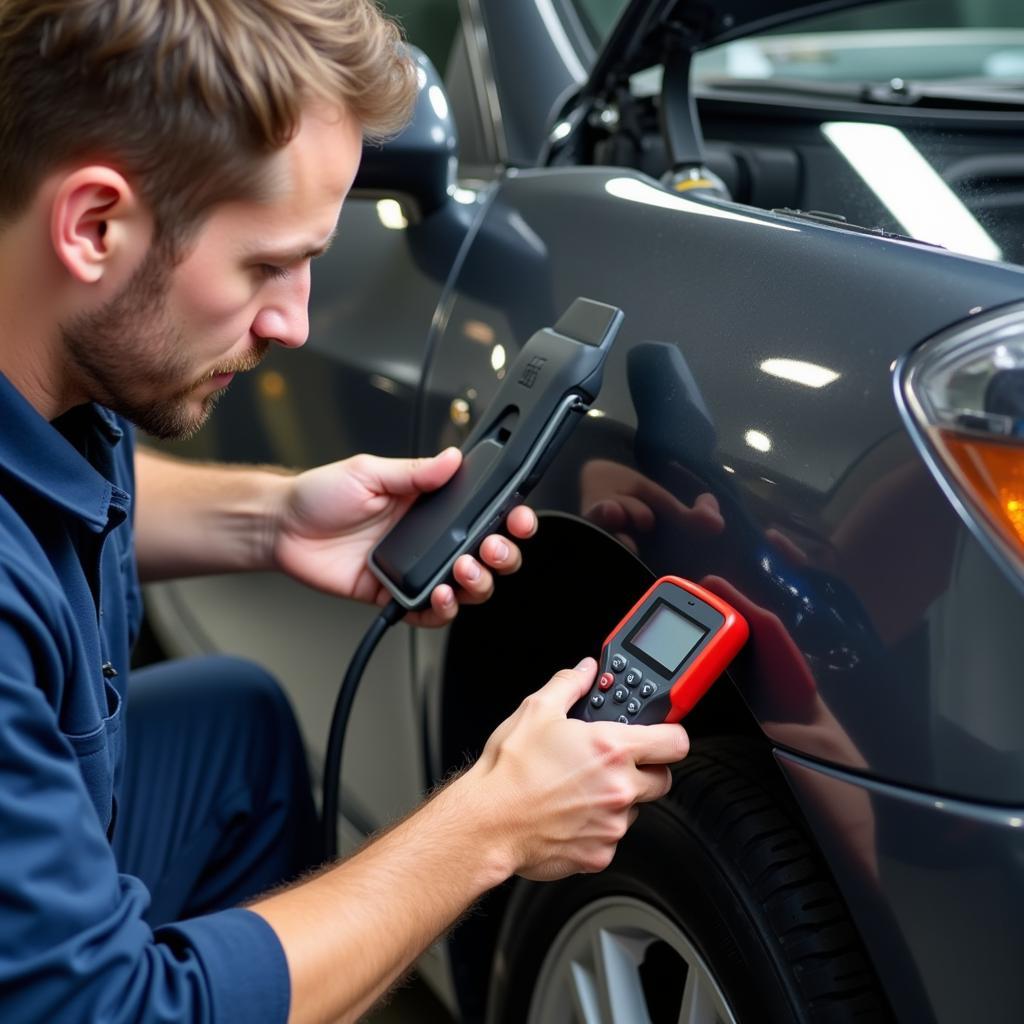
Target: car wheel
{"x":716,"y":908}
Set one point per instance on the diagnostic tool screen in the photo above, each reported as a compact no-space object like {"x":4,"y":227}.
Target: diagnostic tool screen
{"x":666,"y":638}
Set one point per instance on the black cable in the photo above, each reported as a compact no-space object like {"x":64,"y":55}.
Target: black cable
{"x":339,"y":721}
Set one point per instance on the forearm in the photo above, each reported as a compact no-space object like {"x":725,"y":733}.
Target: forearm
{"x":195,"y":518}
{"x":548,"y":796}
{"x":349,"y":933}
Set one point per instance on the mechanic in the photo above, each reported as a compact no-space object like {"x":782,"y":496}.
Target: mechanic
{"x":169,"y":169}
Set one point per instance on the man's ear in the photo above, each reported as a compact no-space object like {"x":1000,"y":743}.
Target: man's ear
{"x":98,"y":225}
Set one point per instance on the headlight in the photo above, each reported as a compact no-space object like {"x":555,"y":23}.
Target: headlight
{"x":965,"y":391}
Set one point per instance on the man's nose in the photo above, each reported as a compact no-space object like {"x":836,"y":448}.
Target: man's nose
{"x":284,"y":317}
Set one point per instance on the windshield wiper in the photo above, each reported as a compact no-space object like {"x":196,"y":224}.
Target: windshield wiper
{"x":959,"y":95}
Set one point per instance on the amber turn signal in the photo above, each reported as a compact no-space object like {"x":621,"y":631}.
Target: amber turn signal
{"x":993,"y":472}
{"x":963,"y":394}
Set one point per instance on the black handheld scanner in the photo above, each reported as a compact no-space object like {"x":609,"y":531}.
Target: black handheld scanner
{"x":546,"y":391}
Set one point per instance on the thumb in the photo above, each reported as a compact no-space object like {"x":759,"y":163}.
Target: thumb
{"x":430,"y":474}
{"x":412,"y":476}
{"x":569,"y":685}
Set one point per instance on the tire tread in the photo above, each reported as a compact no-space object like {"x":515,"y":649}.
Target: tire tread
{"x":729,"y":792}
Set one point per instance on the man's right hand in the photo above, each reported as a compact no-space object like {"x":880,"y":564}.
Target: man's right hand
{"x":565,"y":791}
{"x":548,"y":797}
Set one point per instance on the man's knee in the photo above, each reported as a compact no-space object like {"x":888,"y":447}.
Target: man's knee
{"x":238,"y":682}
{"x":252,"y":699}
{"x":220,"y":701}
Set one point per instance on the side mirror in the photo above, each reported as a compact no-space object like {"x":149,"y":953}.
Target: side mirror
{"x":418,"y":166}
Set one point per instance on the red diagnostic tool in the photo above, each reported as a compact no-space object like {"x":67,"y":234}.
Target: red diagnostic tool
{"x":664,"y":655}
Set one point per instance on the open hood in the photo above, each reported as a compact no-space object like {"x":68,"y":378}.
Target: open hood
{"x":668,"y":33}
{"x":649,"y":31}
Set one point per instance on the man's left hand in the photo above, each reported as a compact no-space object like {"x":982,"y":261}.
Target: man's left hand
{"x":332,"y":516}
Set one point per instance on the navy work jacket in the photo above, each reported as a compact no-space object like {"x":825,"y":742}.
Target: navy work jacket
{"x":73,"y":943}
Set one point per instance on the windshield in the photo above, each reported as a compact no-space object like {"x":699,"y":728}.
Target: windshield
{"x":929,"y":40}
{"x":975,"y":41}
{"x":903,"y":117}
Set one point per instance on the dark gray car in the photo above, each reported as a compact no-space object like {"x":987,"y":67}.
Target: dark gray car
{"x":815,"y":407}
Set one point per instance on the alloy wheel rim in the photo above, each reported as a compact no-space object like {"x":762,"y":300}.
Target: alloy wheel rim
{"x":622,"y":961}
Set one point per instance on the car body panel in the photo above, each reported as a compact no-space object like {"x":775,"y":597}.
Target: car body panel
{"x":935,"y":882}
{"x":883,"y":625}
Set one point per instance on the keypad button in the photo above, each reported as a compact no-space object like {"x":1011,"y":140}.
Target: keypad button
{"x":623,"y":719}
{"x":647,"y":689}
{"x":620,"y":695}
{"x":633,"y":677}
{"x":597,"y":700}
{"x":606,"y":680}
{"x":633,"y":706}
{"x":618,"y":663}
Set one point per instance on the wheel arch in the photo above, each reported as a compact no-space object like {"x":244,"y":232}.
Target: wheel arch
{"x":572,"y":589}
{"x":575,"y":582}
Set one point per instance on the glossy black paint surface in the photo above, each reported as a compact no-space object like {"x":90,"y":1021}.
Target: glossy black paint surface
{"x":935,"y":888}
{"x":838,"y":533}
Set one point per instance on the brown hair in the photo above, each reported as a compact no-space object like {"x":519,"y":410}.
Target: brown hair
{"x":184,"y":96}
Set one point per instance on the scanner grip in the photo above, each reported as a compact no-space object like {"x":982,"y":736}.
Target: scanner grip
{"x":545,"y":392}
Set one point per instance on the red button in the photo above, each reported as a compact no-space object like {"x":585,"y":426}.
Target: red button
{"x":606,"y":680}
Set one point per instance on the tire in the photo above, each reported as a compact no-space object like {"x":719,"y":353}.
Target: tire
{"x":716,"y":896}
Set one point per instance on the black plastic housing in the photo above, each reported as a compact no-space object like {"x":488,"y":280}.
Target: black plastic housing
{"x":546,"y":390}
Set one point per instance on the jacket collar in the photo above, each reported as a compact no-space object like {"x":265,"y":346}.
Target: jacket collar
{"x":36,"y":454}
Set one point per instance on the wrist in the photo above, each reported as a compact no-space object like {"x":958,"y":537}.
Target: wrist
{"x":196,"y":518}
{"x":479,"y":811}
{"x":276,"y":487}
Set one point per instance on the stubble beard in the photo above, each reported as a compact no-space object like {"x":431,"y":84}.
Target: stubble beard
{"x":133,"y":360}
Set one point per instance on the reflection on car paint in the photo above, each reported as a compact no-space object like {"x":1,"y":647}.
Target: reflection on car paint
{"x":676,"y":447}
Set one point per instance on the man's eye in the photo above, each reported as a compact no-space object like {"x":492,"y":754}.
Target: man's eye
{"x":271,"y":270}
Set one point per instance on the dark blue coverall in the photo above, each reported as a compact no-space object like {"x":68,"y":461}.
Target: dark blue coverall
{"x":132,"y":818}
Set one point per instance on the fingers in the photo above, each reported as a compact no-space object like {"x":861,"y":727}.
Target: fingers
{"x":658,"y":744}
{"x":521,"y":522}
{"x":443,"y":608}
{"x":655,"y":782}
{"x":475,"y":586}
{"x":476,"y":582}
{"x":443,"y":605}
{"x":473,"y":577}
{"x":566,"y":687}
{"x":497,"y":553}
{"x":501,"y":555}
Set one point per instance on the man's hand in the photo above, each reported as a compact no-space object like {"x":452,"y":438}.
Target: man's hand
{"x":331,"y":517}
{"x":549,"y":796}
{"x":566,"y":790}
